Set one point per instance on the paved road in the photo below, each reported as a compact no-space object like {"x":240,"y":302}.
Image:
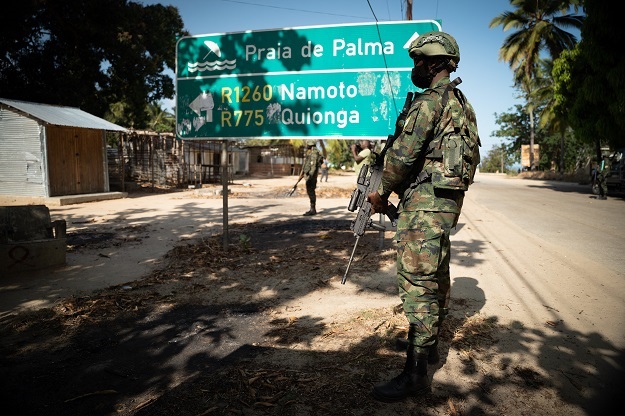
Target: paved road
{"x":548,"y":250}
{"x":547,"y":260}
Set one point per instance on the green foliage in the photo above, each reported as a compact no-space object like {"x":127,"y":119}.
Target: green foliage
{"x":118,"y":113}
{"x":94,"y":55}
{"x":539,"y":26}
{"x":159,"y":120}
{"x":594,"y":91}
{"x":496,"y":157}
{"x":245,"y":242}
{"x":563,"y":88}
{"x":577,"y":154}
{"x":515,"y":127}
{"x":340,"y":154}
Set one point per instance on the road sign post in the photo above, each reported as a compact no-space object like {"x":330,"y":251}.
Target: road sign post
{"x":341,"y":81}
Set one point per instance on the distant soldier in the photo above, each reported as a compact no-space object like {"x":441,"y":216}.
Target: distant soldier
{"x":603,"y":170}
{"x":310,"y":170}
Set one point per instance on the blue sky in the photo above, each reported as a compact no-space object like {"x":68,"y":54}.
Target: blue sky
{"x":487,"y":82}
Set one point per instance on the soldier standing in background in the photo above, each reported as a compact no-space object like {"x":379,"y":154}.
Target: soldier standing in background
{"x":603,"y":172}
{"x":429,"y":166}
{"x":310,"y":170}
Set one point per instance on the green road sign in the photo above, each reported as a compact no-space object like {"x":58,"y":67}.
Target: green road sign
{"x":342,"y":81}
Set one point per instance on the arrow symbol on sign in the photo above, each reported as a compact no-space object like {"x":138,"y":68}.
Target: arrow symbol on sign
{"x":412,"y":38}
{"x":203,"y":103}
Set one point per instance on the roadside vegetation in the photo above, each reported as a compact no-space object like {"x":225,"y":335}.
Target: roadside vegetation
{"x":571,"y":91}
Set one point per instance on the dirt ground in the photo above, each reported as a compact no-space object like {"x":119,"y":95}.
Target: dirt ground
{"x":263,"y":327}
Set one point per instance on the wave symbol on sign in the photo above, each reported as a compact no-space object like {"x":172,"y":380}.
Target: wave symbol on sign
{"x":211,"y":66}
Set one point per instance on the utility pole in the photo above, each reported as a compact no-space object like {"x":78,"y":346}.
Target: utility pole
{"x":503,"y":152}
{"x":408,"y":9}
{"x":224,"y":194}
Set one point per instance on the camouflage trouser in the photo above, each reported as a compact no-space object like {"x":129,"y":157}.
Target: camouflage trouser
{"x":311,"y":185}
{"x":423,"y":252}
{"x":603,"y":184}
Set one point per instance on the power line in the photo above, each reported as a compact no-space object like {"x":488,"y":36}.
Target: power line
{"x":388,"y":76}
{"x":294,"y":9}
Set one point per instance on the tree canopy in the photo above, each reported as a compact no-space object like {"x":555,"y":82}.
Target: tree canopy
{"x":539,"y":25}
{"x":592,"y":85}
{"x":94,"y":55}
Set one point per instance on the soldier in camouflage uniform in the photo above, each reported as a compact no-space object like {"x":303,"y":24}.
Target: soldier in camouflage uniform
{"x":602,"y":173}
{"x":310,"y":170}
{"x":424,"y":171}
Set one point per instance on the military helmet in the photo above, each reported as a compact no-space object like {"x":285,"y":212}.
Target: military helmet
{"x":310,"y":142}
{"x":435,"y":43}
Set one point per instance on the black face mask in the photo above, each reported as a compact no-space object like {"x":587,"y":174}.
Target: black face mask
{"x":421,"y":78}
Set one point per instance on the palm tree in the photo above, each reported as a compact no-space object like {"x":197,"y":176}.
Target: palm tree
{"x":539,"y":27}
{"x":160,"y":120}
{"x":552,"y":117}
{"x":118,"y":114}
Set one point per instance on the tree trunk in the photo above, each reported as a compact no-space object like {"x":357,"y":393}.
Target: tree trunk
{"x":532,"y":162}
{"x":562,"y":151}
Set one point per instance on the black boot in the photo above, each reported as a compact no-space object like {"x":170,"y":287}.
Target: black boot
{"x":413,"y":381}
{"x":401,"y":344}
{"x":312,"y":211}
{"x":433,"y":356}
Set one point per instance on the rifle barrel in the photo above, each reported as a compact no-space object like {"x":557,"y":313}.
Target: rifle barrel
{"x":350,"y":260}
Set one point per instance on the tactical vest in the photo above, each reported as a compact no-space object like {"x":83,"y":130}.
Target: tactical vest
{"x":452,"y":157}
{"x":313,"y":162}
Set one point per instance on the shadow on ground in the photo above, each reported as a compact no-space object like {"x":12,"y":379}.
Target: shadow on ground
{"x":193,"y":339}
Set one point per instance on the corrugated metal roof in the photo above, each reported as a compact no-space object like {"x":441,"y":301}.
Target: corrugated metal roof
{"x":62,"y":116}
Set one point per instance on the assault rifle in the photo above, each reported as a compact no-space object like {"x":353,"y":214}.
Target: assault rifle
{"x":368,"y":181}
{"x":292,"y":190}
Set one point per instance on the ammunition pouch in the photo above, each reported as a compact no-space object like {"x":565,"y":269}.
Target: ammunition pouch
{"x":453,"y":157}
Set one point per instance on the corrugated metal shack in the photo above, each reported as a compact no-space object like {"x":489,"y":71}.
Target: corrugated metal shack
{"x":48,"y":151}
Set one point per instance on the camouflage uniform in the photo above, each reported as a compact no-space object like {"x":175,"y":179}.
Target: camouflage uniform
{"x":426,"y":213}
{"x":603,"y":172}
{"x":312,"y":163}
